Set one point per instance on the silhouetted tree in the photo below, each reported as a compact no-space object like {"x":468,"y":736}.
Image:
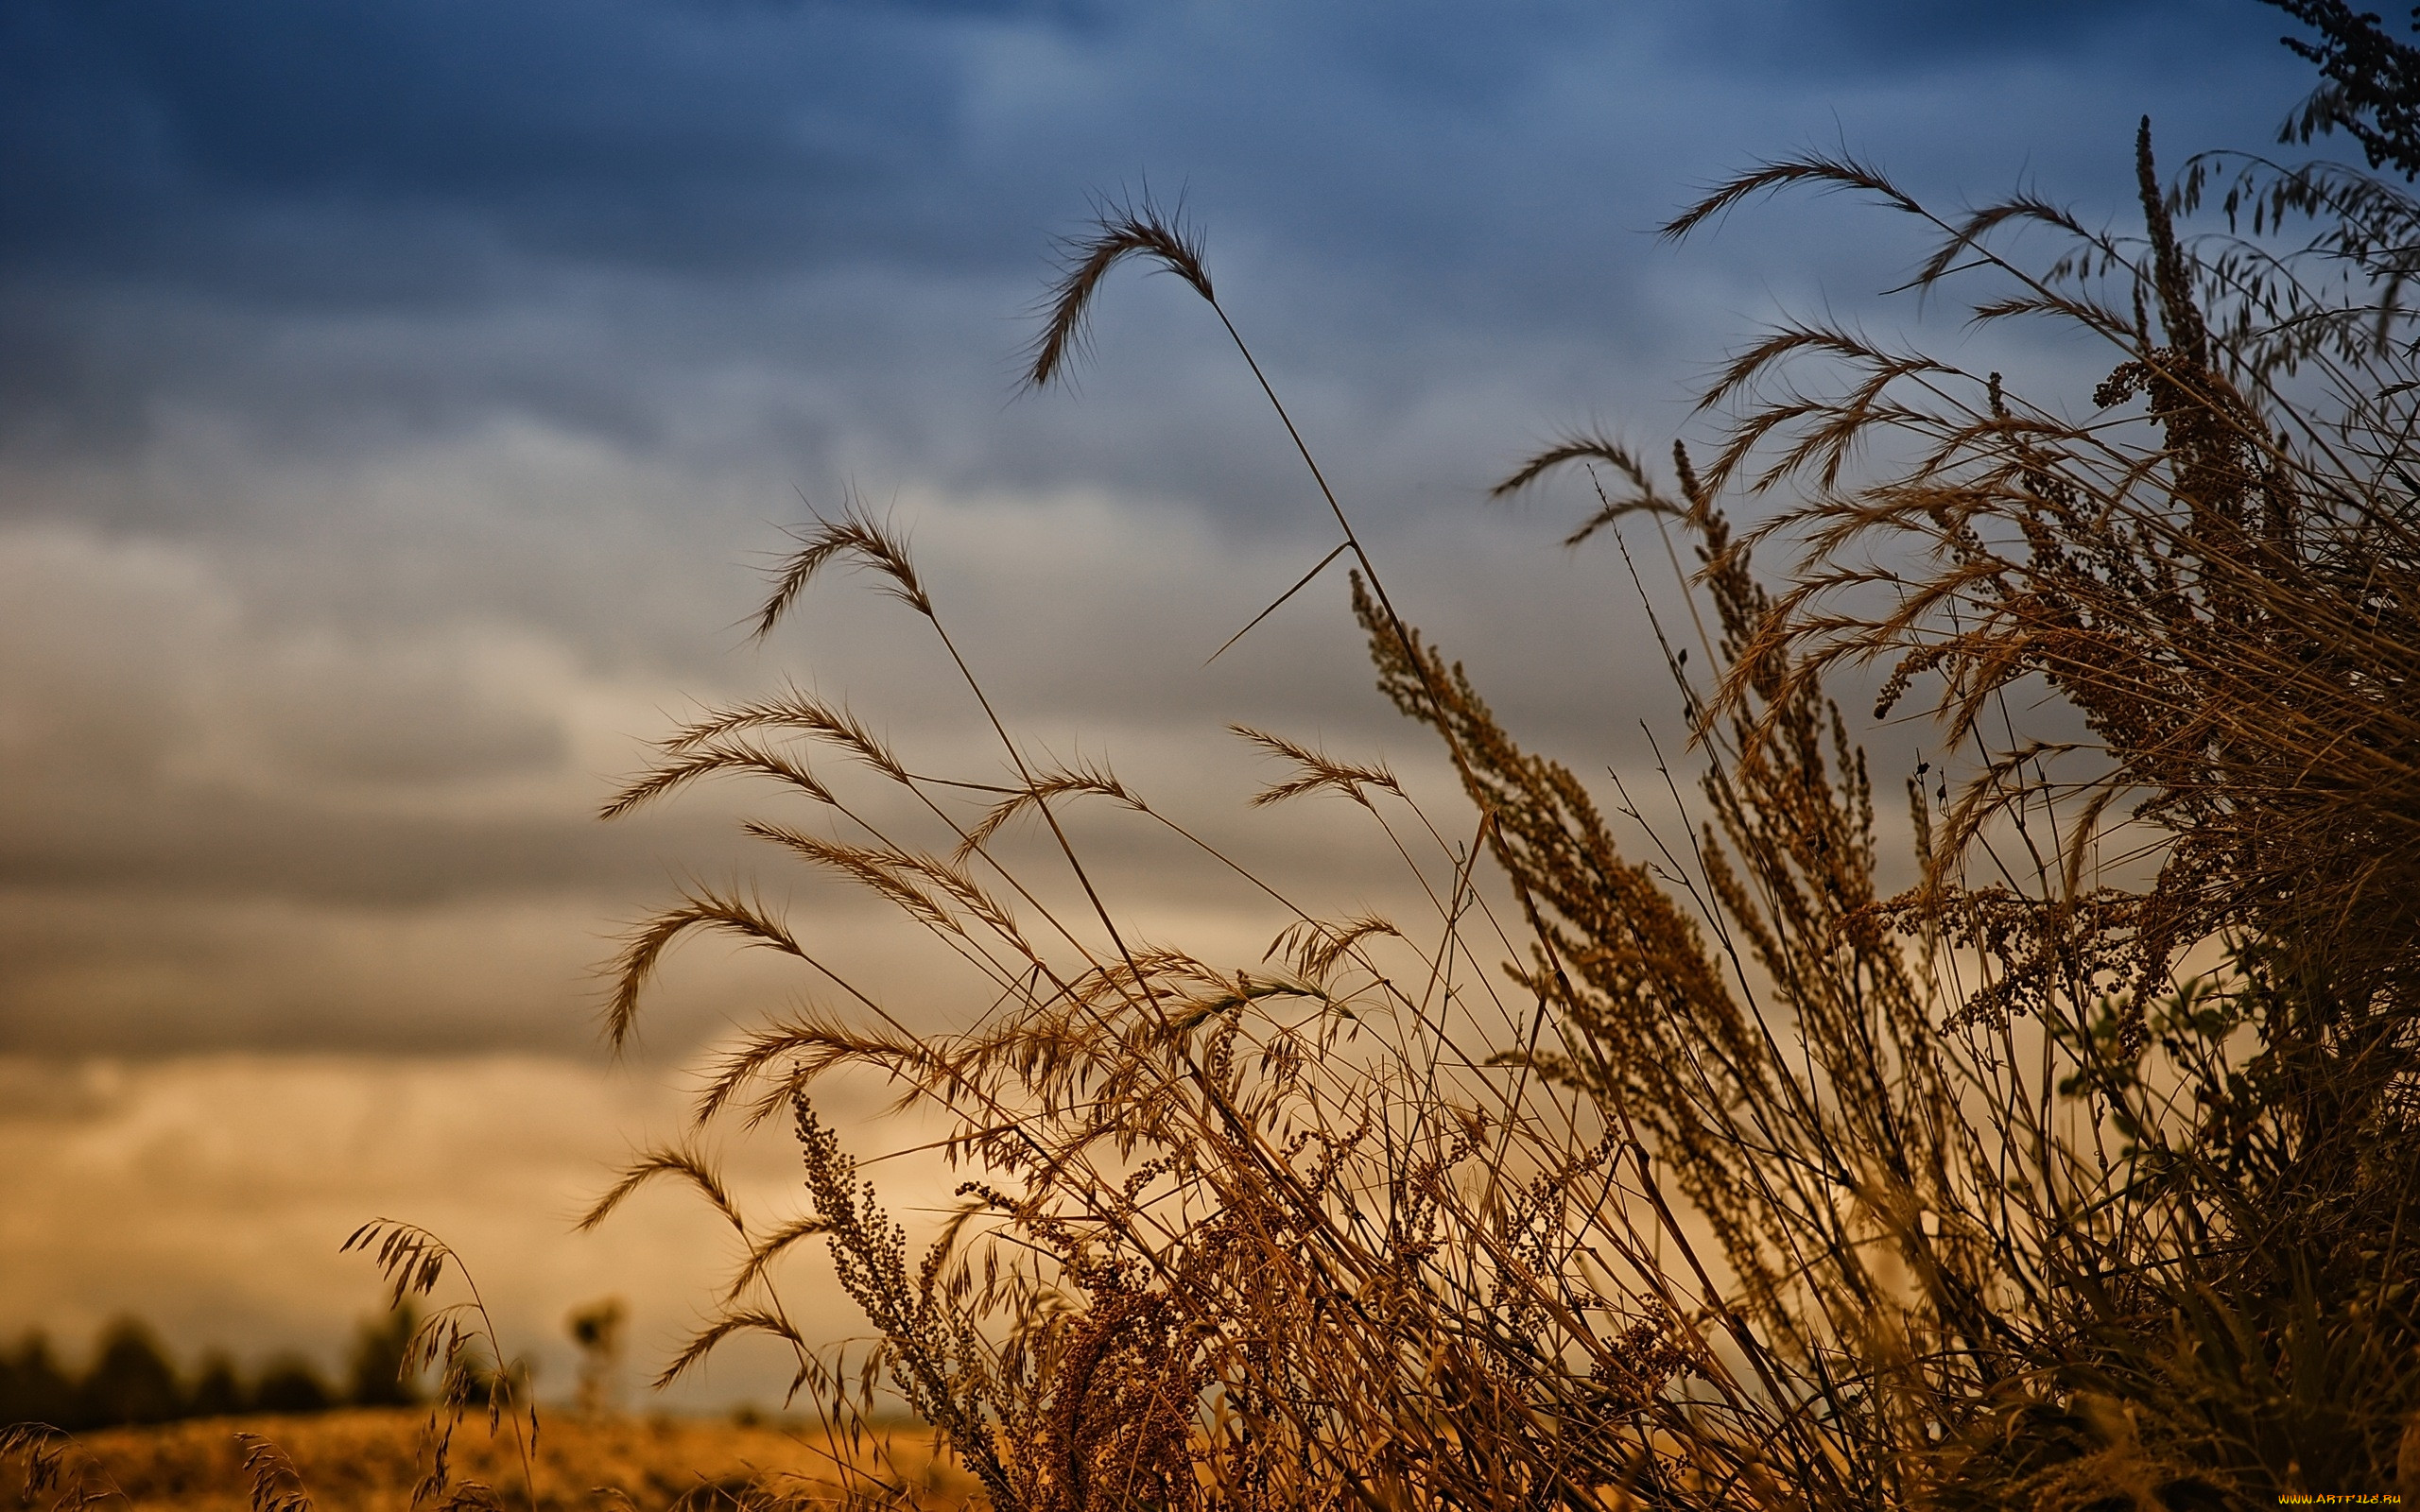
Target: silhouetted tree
{"x":376,"y":1376}
{"x":32,"y":1386}
{"x":290,"y":1383}
{"x":217,"y":1391}
{"x":131,"y":1380}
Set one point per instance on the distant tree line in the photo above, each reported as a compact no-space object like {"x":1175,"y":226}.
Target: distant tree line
{"x":133,"y":1380}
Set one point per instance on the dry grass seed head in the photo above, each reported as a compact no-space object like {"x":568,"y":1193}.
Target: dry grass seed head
{"x":681,"y":1162}
{"x":276,"y":1484}
{"x":713,"y":758}
{"x":701,"y":908}
{"x":856,"y":536}
{"x":1139,"y":228}
{"x":1045,"y":784}
{"x":793,"y":710}
{"x":1315,"y":946}
{"x":60,"y":1473}
{"x":1318,"y":771}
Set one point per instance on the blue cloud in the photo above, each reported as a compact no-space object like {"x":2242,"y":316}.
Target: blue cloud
{"x":725,"y":137}
{"x":626,"y":130}
{"x":1402,"y":181}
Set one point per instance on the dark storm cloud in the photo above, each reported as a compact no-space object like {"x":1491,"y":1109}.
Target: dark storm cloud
{"x":1883,"y":37}
{"x":205,"y":173}
{"x":249,"y":845}
{"x":704,"y":137}
{"x":184,"y":183}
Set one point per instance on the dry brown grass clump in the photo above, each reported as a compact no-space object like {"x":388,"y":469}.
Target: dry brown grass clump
{"x":1747,"y":1183}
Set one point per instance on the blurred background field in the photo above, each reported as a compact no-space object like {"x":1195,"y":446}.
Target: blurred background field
{"x":366,"y":1459}
{"x":164,"y":1431}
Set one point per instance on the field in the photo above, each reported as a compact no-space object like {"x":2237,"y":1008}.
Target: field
{"x":368,"y":1460}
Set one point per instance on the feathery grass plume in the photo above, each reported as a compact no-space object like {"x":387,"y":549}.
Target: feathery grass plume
{"x":713,"y":758}
{"x":690,"y":1165}
{"x":700,"y":908}
{"x":1123,"y":232}
{"x":1316,"y":946}
{"x":1044,"y":785}
{"x":1318,"y":771}
{"x":793,"y":711}
{"x":1120,"y":230}
{"x":855,"y":536}
{"x":1586,"y":449}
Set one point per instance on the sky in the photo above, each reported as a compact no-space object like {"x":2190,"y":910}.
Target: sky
{"x":400,"y":401}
